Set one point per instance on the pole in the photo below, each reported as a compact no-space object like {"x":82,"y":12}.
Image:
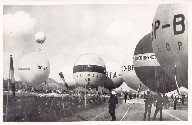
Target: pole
{"x":45,"y":87}
{"x":176,"y":80}
{"x":6,"y":116}
{"x":78,"y":90}
{"x":101,"y":93}
{"x":138,"y":92}
{"x":156,"y":80}
{"x":85,"y":97}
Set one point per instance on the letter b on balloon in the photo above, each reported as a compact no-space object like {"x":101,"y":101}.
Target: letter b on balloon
{"x":170,"y":40}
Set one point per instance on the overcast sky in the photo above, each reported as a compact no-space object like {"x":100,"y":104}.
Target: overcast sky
{"x":108,"y":30}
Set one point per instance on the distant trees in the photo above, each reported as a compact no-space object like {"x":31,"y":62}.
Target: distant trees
{"x":18,"y":85}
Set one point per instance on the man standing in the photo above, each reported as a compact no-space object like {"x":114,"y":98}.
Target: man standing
{"x":175,"y":103}
{"x":182,"y":99}
{"x":125,"y":96}
{"x":148,"y":104}
{"x":112,"y":105}
{"x":159,"y":106}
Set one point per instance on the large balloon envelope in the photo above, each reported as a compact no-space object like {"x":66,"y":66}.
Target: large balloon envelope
{"x":148,"y":69}
{"x":129,"y":75}
{"x":113,"y":77}
{"x":170,"y":40}
{"x":89,"y":70}
{"x":34,"y":68}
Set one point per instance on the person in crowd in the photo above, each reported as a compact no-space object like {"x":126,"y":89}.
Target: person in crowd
{"x":130,"y":96}
{"x":113,"y":100}
{"x":175,"y":103}
{"x":182,"y":99}
{"x":166,"y":101}
{"x":125,"y":96}
{"x":148,"y":104}
{"x":159,"y":106}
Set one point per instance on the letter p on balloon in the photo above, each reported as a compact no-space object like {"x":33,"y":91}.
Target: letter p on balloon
{"x":178,"y":25}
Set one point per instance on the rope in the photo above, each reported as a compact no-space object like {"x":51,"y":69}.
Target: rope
{"x":173,"y":116}
{"x":125,"y":113}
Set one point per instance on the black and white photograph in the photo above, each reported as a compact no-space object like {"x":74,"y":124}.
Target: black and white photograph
{"x":80,"y":62}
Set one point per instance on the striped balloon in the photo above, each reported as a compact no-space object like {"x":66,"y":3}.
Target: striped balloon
{"x":148,"y":68}
{"x":89,"y":70}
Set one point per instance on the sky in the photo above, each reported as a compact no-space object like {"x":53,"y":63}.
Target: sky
{"x":110,"y":31}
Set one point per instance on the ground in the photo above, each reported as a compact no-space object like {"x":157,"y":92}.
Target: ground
{"x":131,"y":111}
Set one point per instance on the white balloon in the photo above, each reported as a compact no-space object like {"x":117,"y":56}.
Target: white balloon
{"x":89,"y":70}
{"x":113,"y":75}
{"x":129,"y":75}
{"x":34,"y":68}
{"x":170,"y":40}
{"x":40,"y":37}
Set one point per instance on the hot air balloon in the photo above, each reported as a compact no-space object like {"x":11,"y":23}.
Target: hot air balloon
{"x":40,"y":37}
{"x":148,"y":68}
{"x":34,"y":68}
{"x":113,"y":77}
{"x":129,"y":75}
{"x":89,"y":70}
{"x":170,"y":40}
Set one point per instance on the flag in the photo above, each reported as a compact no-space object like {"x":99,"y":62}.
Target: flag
{"x":12,"y":79}
{"x":62,"y":77}
{"x":12,"y":70}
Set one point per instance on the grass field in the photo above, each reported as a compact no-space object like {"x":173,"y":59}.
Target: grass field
{"x":31,"y":108}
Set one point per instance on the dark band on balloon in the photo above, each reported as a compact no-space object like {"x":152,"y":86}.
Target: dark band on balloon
{"x":89,"y":68}
{"x":144,"y":45}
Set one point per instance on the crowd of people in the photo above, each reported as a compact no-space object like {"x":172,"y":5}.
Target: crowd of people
{"x":159,"y":100}
{"x":38,"y":108}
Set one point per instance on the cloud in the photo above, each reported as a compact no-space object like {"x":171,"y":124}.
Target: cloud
{"x":18,"y":38}
{"x":18,"y":31}
{"x":19,"y":23}
{"x":109,"y":31}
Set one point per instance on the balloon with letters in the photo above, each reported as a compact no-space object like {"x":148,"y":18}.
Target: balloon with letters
{"x":34,"y":68}
{"x":129,"y":75}
{"x":89,"y":70}
{"x":170,"y":40}
{"x":113,"y":77}
{"x":148,"y":68}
